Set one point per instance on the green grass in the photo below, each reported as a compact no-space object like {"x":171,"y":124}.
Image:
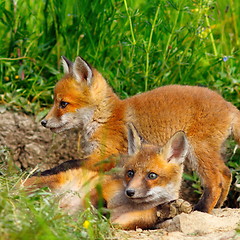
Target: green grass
{"x":37,"y":216}
{"x":137,"y":45}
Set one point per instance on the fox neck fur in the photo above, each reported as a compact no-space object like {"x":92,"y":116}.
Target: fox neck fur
{"x":107,"y":125}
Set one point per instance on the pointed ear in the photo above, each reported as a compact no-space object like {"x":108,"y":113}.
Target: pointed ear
{"x":177,"y":148}
{"x":67,"y":64}
{"x":134,"y":140}
{"x":82,"y":71}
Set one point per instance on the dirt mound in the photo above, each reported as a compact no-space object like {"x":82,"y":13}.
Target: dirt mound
{"x":220,"y":225}
{"x":30,"y":144}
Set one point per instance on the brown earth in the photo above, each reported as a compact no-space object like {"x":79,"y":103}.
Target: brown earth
{"x":31,"y":145}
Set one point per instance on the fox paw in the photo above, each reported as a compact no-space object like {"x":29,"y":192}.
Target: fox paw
{"x":172,"y":209}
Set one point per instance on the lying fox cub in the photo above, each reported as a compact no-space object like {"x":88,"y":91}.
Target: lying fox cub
{"x":147,"y":178}
{"x":84,"y":100}
{"x":151,"y":176}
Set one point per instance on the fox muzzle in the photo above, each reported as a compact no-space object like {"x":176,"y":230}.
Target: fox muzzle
{"x":44,"y":122}
{"x":130,"y":192}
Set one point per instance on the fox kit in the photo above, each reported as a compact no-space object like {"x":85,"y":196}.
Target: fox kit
{"x":136,"y":190}
{"x":84,"y":100}
{"x":150,"y":176}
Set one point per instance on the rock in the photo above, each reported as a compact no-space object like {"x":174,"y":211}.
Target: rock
{"x":202,"y":223}
{"x":172,"y":209}
{"x":220,"y":225}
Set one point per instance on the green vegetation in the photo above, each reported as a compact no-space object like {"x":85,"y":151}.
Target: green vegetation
{"x":37,"y":217}
{"x":137,"y":45}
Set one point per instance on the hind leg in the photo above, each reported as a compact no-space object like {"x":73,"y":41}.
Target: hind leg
{"x":209,"y":170}
{"x":226,"y":182}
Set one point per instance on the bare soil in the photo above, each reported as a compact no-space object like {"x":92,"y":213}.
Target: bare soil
{"x":32,"y":145}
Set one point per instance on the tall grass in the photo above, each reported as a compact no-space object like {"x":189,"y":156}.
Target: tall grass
{"x":138,"y":45}
{"x":37,"y":216}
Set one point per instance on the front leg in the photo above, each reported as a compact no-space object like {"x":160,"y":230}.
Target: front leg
{"x":145,"y":219}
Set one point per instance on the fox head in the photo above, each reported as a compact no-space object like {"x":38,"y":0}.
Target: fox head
{"x":76,"y":96}
{"x":152,"y":175}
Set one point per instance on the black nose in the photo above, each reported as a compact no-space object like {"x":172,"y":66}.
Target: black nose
{"x":130,"y":192}
{"x":44,"y":122}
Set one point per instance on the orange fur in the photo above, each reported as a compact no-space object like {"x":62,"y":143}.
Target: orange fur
{"x":143,"y":219}
{"x":71,"y":186}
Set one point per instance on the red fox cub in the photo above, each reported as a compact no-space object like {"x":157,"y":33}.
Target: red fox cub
{"x":84,"y":100}
{"x":136,"y":190}
{"x":150,"y":176}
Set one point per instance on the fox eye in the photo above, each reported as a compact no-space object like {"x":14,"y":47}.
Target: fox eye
{"x":152,"y":176}
{"x":63,"y":104}
{"x":130,"y":173}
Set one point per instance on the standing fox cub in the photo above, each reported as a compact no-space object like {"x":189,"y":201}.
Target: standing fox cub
{"x":138,"y":193}
{"x":84,"y":100}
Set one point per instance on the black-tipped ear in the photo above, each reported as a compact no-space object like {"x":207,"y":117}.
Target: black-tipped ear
{"x":82,"y":71}
{"x":177,"y":148}
{"x":134,"y":140}
{"x":67,"y":65}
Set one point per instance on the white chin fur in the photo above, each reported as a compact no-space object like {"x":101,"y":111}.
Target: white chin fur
{"x":158,"y":195}
{"x":78,"y":119}
{"x":57,"y":130}
{"x":63,"y":128}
